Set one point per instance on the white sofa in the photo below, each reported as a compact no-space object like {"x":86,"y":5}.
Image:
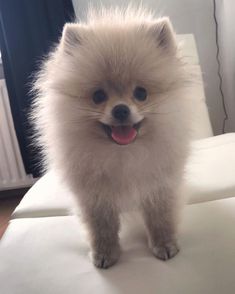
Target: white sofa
{"x":44,"y":250}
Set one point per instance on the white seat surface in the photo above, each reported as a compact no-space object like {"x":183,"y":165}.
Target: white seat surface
{"x":49,"y":256}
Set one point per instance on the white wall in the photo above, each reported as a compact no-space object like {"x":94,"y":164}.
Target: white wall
{"x":187,"y":16}
{"x":226,"y":20}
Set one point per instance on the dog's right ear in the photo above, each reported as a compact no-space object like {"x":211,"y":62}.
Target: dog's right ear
{"x":71,"y":37}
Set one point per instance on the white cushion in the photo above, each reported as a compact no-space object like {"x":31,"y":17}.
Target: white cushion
{"x":48,"y":197}
{"x":49,"y":256}
{"x":201,"y":126}
{"x":210,"y":173}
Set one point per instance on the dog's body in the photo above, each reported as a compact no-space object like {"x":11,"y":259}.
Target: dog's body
{"x":113,"y":114}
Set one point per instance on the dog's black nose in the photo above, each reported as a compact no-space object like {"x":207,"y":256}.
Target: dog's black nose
{"x":121,"y":112}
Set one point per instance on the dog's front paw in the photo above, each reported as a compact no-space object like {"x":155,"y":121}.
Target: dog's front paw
{"x":166,"y":251}
{"x":106,"y":259}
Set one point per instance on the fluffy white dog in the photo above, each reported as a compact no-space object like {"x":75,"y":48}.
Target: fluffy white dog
{"x":113,"y":115}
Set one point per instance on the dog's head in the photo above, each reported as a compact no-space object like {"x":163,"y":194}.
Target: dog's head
{"x":117,"y":71}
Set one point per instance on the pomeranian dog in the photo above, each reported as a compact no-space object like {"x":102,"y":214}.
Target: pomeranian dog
{"x":112,"y":112}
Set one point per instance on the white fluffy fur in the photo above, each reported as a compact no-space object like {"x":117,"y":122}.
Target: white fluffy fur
{"x":115,"y":50}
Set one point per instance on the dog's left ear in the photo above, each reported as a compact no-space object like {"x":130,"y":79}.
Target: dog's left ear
{"x":164,"y":34}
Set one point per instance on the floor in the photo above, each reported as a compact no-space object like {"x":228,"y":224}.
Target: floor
{"x":8,"y":202}
{"x":7,"y":206}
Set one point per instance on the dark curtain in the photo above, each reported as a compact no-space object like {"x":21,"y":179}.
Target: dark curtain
{"x":28,"y":29}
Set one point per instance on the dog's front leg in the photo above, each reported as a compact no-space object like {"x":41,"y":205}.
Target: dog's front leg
{"x":160,"y":211}
{"x":103,"y":224}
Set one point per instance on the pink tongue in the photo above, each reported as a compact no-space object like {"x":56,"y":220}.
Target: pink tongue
{"x":123,"y":135}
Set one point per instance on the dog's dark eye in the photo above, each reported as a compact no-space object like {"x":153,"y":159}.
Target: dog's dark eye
{"x":99,"y":96}
{"x":140,"y":93}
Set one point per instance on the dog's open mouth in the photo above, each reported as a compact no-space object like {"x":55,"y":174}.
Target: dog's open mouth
{"x":122,"y":134}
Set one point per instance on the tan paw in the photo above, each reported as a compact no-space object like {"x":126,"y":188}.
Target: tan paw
{"x":167,"y":251}
{"x":105,"y":260}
